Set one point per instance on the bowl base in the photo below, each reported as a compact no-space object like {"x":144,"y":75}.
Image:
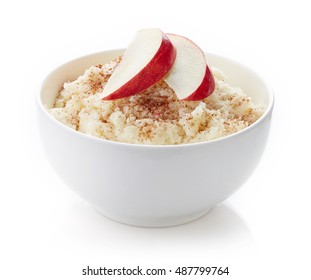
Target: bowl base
{"x":156,"y":222}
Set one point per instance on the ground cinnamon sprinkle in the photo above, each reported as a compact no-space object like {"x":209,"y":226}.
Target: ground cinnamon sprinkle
{"x":154,"y":116}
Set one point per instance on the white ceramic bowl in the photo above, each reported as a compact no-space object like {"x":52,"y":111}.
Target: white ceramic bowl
{"x":148,"y":185}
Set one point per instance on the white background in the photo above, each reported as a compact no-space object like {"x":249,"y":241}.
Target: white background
{"x":262,"y":232}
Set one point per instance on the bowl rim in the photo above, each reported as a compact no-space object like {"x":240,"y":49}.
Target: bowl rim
{"x":85,"y":136}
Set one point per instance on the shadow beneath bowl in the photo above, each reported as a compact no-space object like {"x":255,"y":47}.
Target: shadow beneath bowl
{"x":222,"y":231}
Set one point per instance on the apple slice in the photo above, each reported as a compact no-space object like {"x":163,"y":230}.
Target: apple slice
{"x":190,"y":77}
{"x":146,"y":61}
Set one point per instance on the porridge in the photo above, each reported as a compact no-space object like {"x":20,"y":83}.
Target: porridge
{"x":155,"y":115}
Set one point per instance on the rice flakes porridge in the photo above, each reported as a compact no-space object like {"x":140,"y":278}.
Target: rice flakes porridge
{"x":154,"y":116}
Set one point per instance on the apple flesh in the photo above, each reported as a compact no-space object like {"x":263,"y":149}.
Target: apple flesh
{"x":190,"y":77}
{"x":146,"y":61}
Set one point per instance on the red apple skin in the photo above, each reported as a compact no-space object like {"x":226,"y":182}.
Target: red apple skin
{"x":205,"y":89}
{"x":207,"y":86}
{"x":153,"y":72}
